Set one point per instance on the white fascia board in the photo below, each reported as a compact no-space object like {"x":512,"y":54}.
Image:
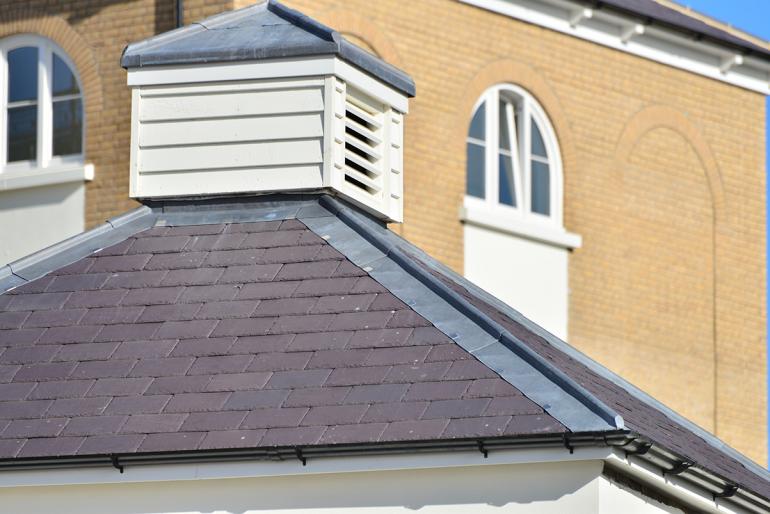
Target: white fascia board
{"x":319,"y":465}
{"x":653,"y":42}
{"x":24,"y":179}
{"x":269,"y":69}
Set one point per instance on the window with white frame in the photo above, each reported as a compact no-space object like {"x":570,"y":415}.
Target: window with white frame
{"x":42,"y":106}
{"x":513,"y":161}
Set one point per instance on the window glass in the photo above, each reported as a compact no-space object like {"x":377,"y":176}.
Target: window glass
{"x":22,"y":133}
{"x":478,"y":129}
{"x":22,"y":73}
{"x":538,"y":146}
{"x":507,"y":181}
{"x":505,"y":134}
{"x":475,"y":185}
{"x":541,"y":188}
{"x":64,"y":82}
{"x":67,"y":127}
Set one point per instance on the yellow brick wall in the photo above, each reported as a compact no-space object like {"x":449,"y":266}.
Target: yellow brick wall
{"x":663,"y":177}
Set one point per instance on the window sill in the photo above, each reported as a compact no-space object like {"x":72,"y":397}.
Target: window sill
{"x":507,"y":224}
{"x":24,"y":179}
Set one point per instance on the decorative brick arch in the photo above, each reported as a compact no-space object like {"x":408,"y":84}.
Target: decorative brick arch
{"x":74,"y":45}
{"x":348,"y":22}
{"x":661,"y":116}
{"x":514,"y":72}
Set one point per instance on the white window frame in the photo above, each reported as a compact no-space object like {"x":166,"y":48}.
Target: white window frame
{"x":519,"y":220}
{"x":46,"y":168}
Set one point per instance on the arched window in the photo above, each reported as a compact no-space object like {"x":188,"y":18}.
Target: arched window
{"x":41,"y":120}
{"x":513,"y":161}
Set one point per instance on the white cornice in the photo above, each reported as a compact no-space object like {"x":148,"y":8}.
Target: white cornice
{"x":649,"y":41}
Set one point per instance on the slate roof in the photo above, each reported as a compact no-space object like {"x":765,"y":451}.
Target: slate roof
{"x":268,"y":30}
{"x":293,"y":322}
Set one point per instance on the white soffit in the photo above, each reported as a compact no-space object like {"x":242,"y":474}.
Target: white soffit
{"x":629,"y":35}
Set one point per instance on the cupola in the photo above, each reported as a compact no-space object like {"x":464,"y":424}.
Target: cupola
{"x":263,"y":100}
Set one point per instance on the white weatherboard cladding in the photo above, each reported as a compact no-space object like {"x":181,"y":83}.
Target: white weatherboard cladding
{"x":269,"y":135}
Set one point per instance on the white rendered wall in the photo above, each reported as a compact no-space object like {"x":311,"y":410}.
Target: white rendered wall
{"x":615,"y":498}
{"x":34,"y":218}
{"x":528,"y":275}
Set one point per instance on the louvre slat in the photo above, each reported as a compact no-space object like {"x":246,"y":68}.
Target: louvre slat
{"x":362,"y":131}
{"x":360,"y":161}
{"x":367,"y":149}
{"x":360,"y":177}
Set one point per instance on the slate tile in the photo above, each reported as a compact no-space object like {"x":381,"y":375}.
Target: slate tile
{"x":164,"y":367}
{"x":91,"y":299}
{"x":197,"y":402}
{"x":102,"y":444}
{"x":7,"y":372}
{"x":284,"y":306}
{"x":103,"y":369}
{"x":152,"y":296}
{"x":312,"y":396}
{"x":307,"y":270}
{"x":36,"y":286}
{"x":76,"y":268}
{"x":37,"y":302}
{"x":144,"y":349}
{"x":135,"y":279}
{"x":165,"y":244}
{"x":178,"y":385}
{"x":49,"y":427}
{"x":73,"y":334}
{"x":203,"y":347}
{"x":17,"y":391}
{"x":171,"y":442}
{"x":186,"y":329}
{"x":85,"y":351}
{"x":271,"y":418}
{"x":291,"y":224}
{"x":71,"y":407}
{"x":157,"y":231}
{"x":377,"y":393}
{"x":393,"y":356}
{"x":9,"y":448}
{"x":128,"y":332}
{"x":387,"y":302}
{"x":61,"y":389}
{"x":197,"y":230}
{"x":298,"y":436}
{"x":301,"y":324}
{"x":250,"y":273}
{"x":427,"y":372}
{"x":20,"y":336}
{"x":179,"y":260}
{"x":338,"y":358}
{"x":334,"y":415}
{"x":309,"y":238}
{"x":88,"y":281}
{"x":215,"y":293}
{"x":414,"y":430}
{"x":367,"y":285}
{"x":447,"y":352}
{"x":118,"y":248}
{"x":297,"y":379}
{"x":192,"y":277}
{"x":243,"y":327}
{"x":532,"y":424}
{"x":271,"y":239}
{"x":429,"y":335}
{"x":325,"y":287}
{"x":44,"y":372}
{"x":463,"y":370}
{"x":220,"y":365}
{"x":120,"y":386}
{"x":320,"y":341}
{"x":50,"y":447}
{"x":407,"y":319}
{"x":345,"y":269}
{"x":111,"y":315}
{"x":444,"y":390}
{"x":224,"y":258}
{"x":94,"y":425}
{"x":56,"y":318}
{"x":229,"y":241}
{"x":289,"y":254}
{"x":250,"y":400}
{"x":465,"y":408}
{"x":224,"y":310}
{"x":279,"y":361}
{"x":238,"y":381}
{"x":342,"y":303}
{"x":258,"y":344}
{"x":173,"y":312}
{"x":12,"y":320}
{"x":24,"y":409}
{"x":512,"y":406}
{"x":152,"y":423}
{"x":389,"y":337}
{"x":267,"y":290}
{"x":152,"y":404}
{"x":358,"y":433}
{"x":206,"y":421}
{"x":120,"y":263}
{"x":401,"y":411}
{"x":232,"y":439}
{"x":477,"y":427}
{"x":357,"y":376}
{"x":29,"y":354}
{"x":256,"y":226}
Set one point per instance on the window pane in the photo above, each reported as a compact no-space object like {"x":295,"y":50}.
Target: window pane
{"x":22,"y":133}
{"x":475,"y":173}
{"x":505,"y":134}
{"x":541,"y":188}
{"x":538,"y":146}
{"x":22,"y":72}
{"x":477,"y":130}
{"x":507,"y":184}
{"x":64,"y":82}
{"x":67,"y":127}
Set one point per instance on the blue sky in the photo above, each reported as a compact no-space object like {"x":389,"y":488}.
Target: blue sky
{"x":752,"y":16}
